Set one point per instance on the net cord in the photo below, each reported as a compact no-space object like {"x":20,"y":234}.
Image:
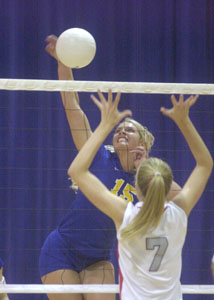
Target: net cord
{"x":104,"y":86}
{"x":90,"y":288}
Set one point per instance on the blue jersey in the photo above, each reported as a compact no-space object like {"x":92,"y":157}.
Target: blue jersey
{"x":84,"y":225}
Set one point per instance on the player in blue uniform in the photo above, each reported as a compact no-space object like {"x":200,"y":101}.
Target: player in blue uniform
{"x":78,"y":251}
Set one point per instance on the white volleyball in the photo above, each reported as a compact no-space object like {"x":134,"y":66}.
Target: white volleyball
{"x":75,"y":48}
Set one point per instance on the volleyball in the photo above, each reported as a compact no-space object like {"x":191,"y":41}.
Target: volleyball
{"x":75,"y":48}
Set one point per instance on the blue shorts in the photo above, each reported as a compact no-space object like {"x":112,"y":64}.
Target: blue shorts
{"x":56,"y":254}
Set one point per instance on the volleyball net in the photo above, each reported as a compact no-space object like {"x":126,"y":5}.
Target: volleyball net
{"x":87,"y":288}
{"x":93,"y":86}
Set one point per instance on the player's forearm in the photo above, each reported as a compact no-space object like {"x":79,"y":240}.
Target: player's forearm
{"x":84,"y":158}
{"x":78,"y":122}
{"x":79,"y":127}
{"x":65,"y":73}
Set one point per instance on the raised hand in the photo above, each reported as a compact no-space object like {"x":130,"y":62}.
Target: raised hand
{"x":139,"y":155}
{"x":180,"y":109}
{"x":110,"y":115}
{"x":51,"y":45}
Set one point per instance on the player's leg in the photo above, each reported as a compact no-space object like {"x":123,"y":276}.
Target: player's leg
{"x":2,"y":281}
{"x":65,"y":277}
{"x":57,"y":265}
{"x":99,"y":273}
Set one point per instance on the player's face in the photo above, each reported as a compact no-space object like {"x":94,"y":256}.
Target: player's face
{"x":126,"y":137}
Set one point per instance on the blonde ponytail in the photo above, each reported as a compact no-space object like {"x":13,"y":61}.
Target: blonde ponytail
{"x":153,"y":178}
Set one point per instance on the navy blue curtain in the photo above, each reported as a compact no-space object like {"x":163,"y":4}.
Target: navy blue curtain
{"x":137,"y":40}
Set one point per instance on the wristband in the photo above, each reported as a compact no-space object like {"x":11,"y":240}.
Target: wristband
{"x":212,"y":259}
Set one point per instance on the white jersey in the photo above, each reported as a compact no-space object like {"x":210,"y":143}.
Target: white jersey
{"x":150,"y":264}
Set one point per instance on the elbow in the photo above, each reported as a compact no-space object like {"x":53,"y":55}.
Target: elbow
{"x":206,"y":162}
{"x":210,"y":163}
{"x":71,"y":172}
{"x":75,"y":172}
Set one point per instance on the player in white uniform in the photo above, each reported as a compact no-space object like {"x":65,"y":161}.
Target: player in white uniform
{"x":151,"y":234}
{"x":153,"y":259}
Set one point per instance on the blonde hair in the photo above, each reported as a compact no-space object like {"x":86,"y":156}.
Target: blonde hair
{"x":145,"y":135}
{"x":154,"y":179}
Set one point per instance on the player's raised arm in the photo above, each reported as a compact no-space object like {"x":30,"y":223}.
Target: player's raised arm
{"x":78,"y":122}
{"x":195,"y":184}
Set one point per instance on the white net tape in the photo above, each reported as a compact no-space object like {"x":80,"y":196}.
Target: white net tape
{"x":104,"y":86}
{"x":87,"y":288}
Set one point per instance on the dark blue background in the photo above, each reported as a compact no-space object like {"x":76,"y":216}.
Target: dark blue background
{"x":137,"y":40}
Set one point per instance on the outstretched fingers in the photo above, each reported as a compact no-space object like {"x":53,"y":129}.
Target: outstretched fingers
{"x":109,"y":107}
{"x":165,"y":111}
{"x":174,"y":100}
{"x":103,"y":101}
{"x":96,"y":102}
{"x":110,"y":96}
{"x":168,"y":111}
{"x":192,"y":99}
{"x":180,"y":108}
{"x":117,"y":99}
{"x":124,"y":114}
{"x":101,"y":96}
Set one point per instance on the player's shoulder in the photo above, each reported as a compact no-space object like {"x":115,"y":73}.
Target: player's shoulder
{"x":174,"y":207}
{"x":174,"y":213}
